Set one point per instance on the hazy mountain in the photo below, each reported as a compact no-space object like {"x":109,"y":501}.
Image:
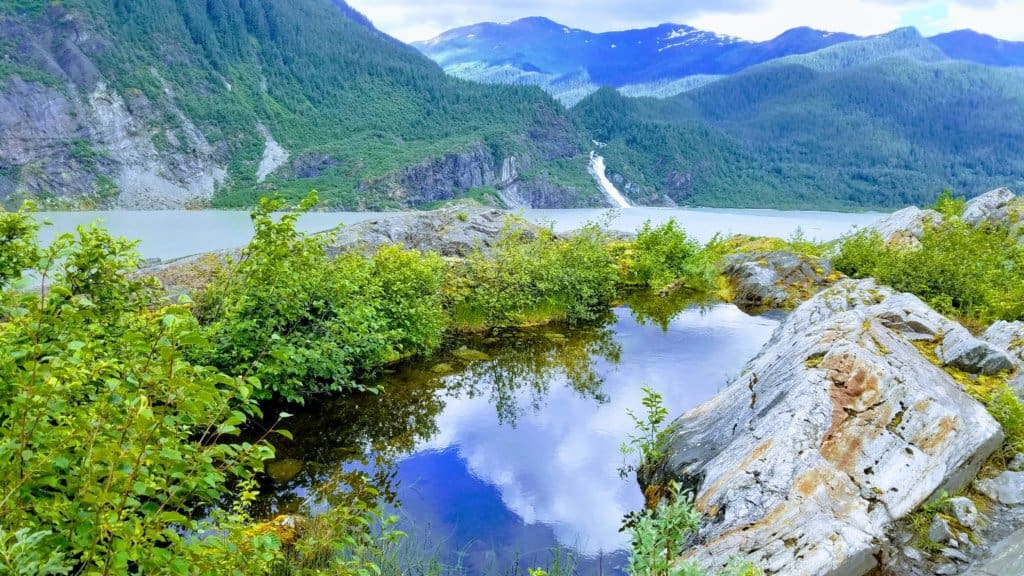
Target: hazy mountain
{"x":571,"y":63}
{"x":981,"y":48}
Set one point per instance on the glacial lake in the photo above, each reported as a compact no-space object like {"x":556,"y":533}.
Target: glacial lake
{"x":174,"y":233}
{"x":502,"y":462}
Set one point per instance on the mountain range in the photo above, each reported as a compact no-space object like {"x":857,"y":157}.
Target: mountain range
{"x":215,"y":103}
{"x":660,"y":61}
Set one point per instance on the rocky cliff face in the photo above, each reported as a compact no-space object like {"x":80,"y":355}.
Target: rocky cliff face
{"x":68,"y":139}
{"x":450,"y":176}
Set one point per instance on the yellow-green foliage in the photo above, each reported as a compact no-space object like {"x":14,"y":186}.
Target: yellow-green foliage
{"x":958,"y":268}
{"x":664,"y":256}
{"x":536,"y":280}
{"x":798,"y":243}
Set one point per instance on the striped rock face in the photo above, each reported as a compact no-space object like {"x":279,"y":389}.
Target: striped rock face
{"x":843,"y":424}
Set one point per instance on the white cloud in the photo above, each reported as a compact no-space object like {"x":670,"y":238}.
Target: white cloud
{"x":557,"y":466}
{"x":411,"y":20}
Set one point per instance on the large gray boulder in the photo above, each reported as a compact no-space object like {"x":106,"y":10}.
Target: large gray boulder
{"x":839,"y":427}
{"x":993,"y":207}
{"x":453,"y":231}
{"x":1009,"y":336}
{"x":905,"y":227}
{"x":776,"y":279}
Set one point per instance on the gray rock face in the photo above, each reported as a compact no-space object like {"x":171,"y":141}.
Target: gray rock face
{"x":453,"y":231}
{"x":1009,"y":336}
{"x":1007,"y":488}
{"x":906,"y":226}
{"x":963,"y":351}
{"x":993,"y":206}
{"x":774,"y":279}
{"x":1004,"y":559}
{"x":449,"y":176}
{"x":74,"y":139}
{"x":839,"y":427}
{"x":964,"y":510}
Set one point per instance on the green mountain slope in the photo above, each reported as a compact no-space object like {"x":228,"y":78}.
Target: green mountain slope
{"x":176,"y":102}
{"x":879,"y":123}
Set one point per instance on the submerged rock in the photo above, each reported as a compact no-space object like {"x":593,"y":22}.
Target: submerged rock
{"x":838,"y":428}
{"x":776,"y":279}
{"x":454,"y":231}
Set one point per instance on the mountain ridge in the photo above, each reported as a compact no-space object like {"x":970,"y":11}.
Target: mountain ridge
{"x":684,"y":57}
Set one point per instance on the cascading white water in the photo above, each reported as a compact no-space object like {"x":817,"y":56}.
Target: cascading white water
{"x":597,"y":169}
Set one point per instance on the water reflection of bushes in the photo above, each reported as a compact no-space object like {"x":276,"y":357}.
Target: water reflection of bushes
{"x":343,"y":444}
{"x":523,"y":365}
{"x":649,"y":307}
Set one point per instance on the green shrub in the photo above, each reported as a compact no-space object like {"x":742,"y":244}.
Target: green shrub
{"x":958,"y":268}
{"x":533,"y":280}
{"x":18,"y":250}
{"x":663,"y":256}
{"x":662,"y":534}
{"x":303,"y":323}
{"x":950,"y":206}
{"x":111,"y":442}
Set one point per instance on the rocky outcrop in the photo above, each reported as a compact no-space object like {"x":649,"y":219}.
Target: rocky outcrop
{"x":1004,"y":559}
{"x":776,"y":279}
{"x":993,"y":207}
{"x":450,"y":176}
{"x":454,"y":231}
{"x":906,"y":226}
{"x":838,"y":428}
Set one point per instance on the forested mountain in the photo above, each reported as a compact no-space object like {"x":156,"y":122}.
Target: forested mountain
{"x":882,"y":122}
{"x":162,"y":103}
{"x":572,"y":63}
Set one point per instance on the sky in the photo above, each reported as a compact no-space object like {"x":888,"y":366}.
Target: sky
{"x":411,"y":20}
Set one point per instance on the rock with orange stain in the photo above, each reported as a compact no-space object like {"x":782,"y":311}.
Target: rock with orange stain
{"x":838,"y":428}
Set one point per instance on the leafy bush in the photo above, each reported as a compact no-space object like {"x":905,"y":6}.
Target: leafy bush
{"x":958,"y":268}
{"x":533,"y":280}
{"x":110,"y":441}
{"x":664,"y":255}
{"x":303,"y":323}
